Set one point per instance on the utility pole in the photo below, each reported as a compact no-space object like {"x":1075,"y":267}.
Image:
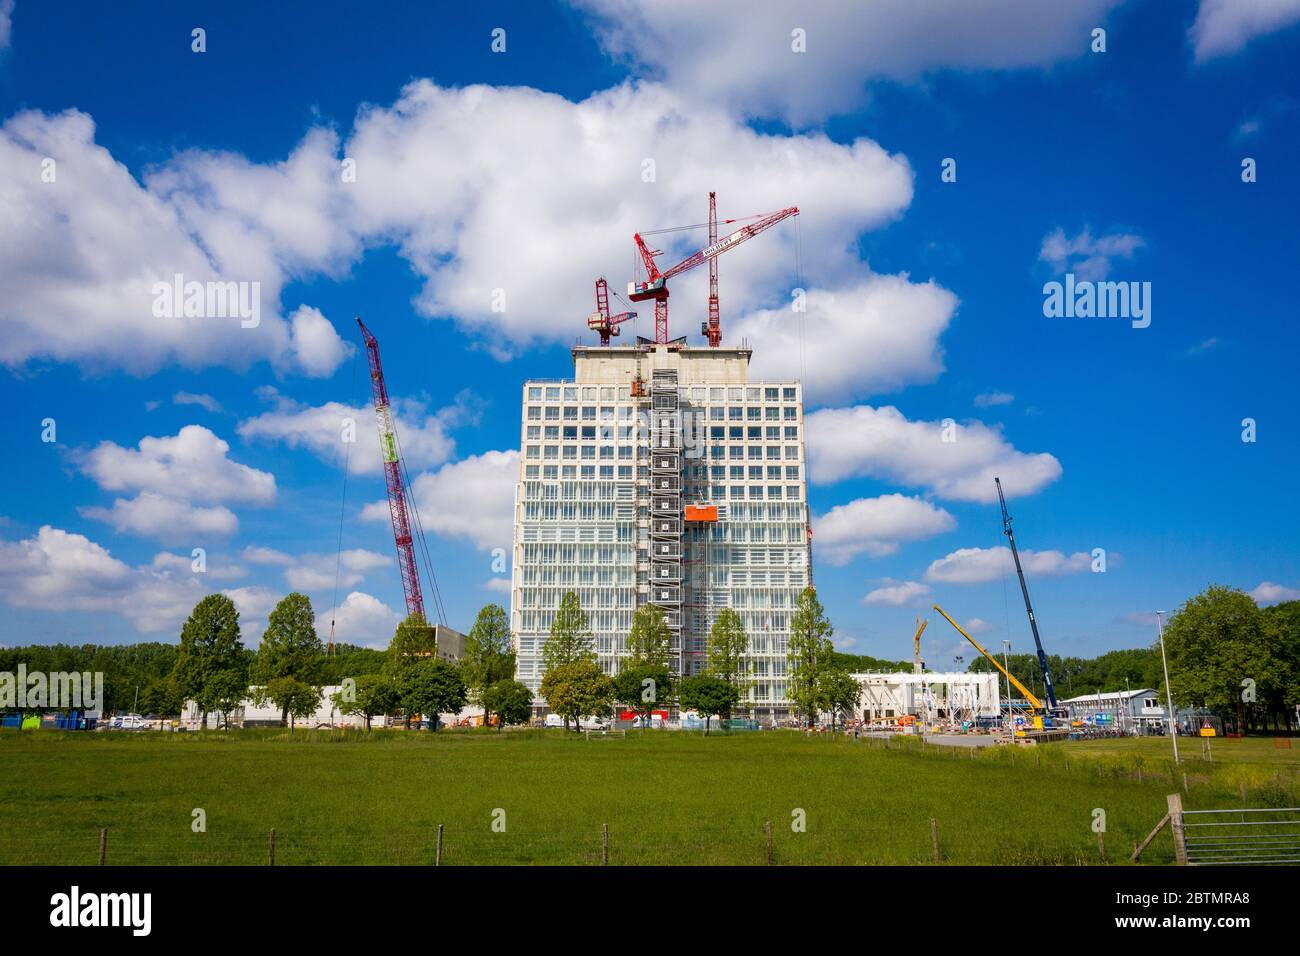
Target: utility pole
{"x":1169,"y":694}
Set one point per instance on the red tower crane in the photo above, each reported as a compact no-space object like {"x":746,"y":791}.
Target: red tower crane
{"x":655,"y":287}
{"x":393,"y":478}
{"x":600,"y":320}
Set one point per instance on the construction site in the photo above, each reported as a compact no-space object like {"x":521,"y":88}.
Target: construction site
{"x":660,"y":473}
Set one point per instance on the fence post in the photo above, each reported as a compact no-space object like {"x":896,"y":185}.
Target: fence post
{"x":934,"y":837}
{"x":437,"y":853}
{"x":767,"y":828}
{"x":1176,"y":828}
{"x":270,"y":849}
{"x":604,"y":844}
{"x":1101,"y":845}
{"x":103,"y":844}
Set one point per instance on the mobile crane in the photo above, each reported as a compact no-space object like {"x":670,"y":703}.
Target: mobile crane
{"x":1041,"y":715}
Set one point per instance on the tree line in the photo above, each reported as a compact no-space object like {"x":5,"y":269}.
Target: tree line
{"x":575,"y":687}
{"x":1227,"y":655}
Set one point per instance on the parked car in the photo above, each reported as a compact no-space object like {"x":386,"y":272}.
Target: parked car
{"x":129,"y":722}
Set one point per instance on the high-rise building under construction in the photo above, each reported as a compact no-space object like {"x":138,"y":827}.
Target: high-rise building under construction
{"x":661,"y":474}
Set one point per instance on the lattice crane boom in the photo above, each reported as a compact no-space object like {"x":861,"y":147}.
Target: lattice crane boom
{"x":393,"y":478}
{"x":655,"y":287}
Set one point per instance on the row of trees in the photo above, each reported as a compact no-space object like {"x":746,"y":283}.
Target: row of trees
{"x":1226,"y":655}
{"x":289,"y":669}
{"x":575,"y":686}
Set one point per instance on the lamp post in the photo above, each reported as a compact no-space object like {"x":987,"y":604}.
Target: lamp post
{"x":1169,"y":694}
{"x":1006,"y":651}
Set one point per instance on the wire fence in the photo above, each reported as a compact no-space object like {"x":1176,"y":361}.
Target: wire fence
{"x":922,"y":840}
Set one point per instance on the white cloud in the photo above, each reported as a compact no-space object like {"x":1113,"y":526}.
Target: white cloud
{"x":192,"y":465}
{"x":880,"y":443}
{"x":316,"y":572}
{"x":874,"y":335}
{"x":216,"y":570}
{"x":79,"y":257}
{"x":1088,"y":257}
{"x":361,"y":619}
{"x":315,"y":345}
{"x":192,"y":398}
{"x":523,"y":174}
{"x":990,"y":399}
{"x":498,"y":585}
{"x":56,"y":570}
{"x":1269,"y":593}
{"x":978,"y":626}
{"x":6,"y":22}
{"x":876,"y":526}
{"x":152,"y":515}
{"x":1224,"y":27}
{"x":898,"y":594}
{"x":254,"y":604}
{"x":739,"y":52}
{"x":981,"y":565}
{"x":473,"y":499}
{"x":424,"y":438}
{"x":256,"y":554}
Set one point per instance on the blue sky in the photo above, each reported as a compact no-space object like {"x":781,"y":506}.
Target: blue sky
{"x":925,"y":297}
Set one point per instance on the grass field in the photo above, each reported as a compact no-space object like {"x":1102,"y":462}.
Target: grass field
{"x":668,"y":798}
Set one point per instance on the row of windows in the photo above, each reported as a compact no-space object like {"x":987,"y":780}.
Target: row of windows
{"x":715,"y":452}
{"x":624,"y":433}
{"x":699,"y":393}
{"x":610,"y":415}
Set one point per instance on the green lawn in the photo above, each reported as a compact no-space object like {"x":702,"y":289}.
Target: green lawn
{"x":668,"y":798}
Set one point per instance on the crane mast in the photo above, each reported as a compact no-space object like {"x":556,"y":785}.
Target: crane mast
{"x":1024,"y":589}
{"x":393,"y":478}
{"x":601,"y":321}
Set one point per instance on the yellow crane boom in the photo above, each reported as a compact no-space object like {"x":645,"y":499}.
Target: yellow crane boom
{"x":1033,"y":701}
{"x":916,"y":644}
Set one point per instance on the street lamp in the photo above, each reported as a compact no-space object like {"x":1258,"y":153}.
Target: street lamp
{"x":1006,"y":651}
{"x":1169,"y":694}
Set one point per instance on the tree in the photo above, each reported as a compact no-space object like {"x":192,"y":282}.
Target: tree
{"x":431,"y":687}
{"x":209,"y":661}
{"x":808,"y":652}
{"x":570,"y":638}
{"x":510,"y":700}
{"x":643,"y":686}
{"x":225,"y":691}
{"x":1216,"y":642}
{"x":413,"y":641}
{"x":290,"y":647}
{"x":376,"y":695}
{"x":488,"y":658}
{"x":840,"y":692}
{"x":577,"y":689}
{"x":727,"y":649}
{"x":710,"y":695}
{"x":294,"y":697}
{"x":650,"y":641}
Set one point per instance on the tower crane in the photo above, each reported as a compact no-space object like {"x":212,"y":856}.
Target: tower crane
{"x":655,"y":287}
{"x":1024,"y":589}
{"x":393,"y":478}
{"x":600,"y":320}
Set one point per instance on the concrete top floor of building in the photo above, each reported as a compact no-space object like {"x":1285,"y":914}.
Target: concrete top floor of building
{"x":694,"y":365}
